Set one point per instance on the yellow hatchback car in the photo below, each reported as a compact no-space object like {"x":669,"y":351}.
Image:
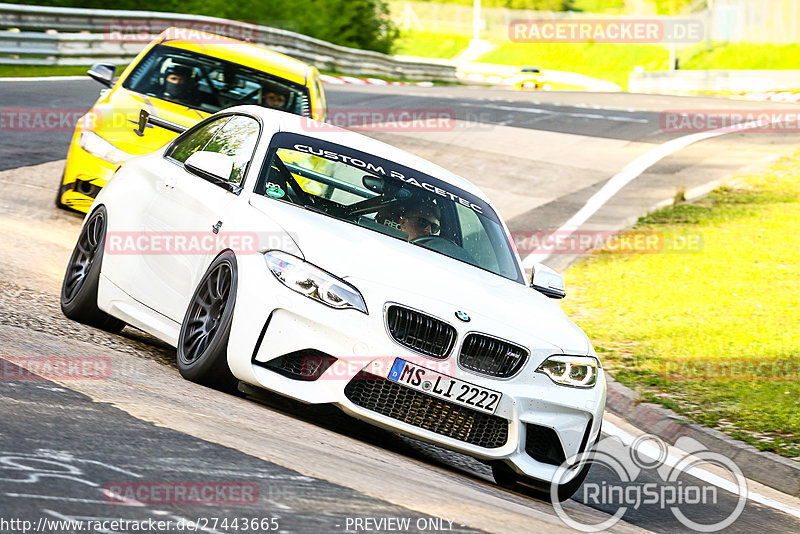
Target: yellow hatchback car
{"x":182,"y":76}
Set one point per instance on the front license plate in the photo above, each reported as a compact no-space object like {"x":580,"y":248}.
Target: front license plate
{"x":444,"y":387}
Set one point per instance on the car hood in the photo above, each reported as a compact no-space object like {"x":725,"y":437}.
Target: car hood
{"x":368,"y":258}
{"x":116,"y":117}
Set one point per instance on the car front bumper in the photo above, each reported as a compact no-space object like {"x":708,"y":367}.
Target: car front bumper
{"x":84,"y":176}
{"x":543,"y":423}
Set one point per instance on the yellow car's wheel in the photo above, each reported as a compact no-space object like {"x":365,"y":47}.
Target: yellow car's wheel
{"x":63,"y":188}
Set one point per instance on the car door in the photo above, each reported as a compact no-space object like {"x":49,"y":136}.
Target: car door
{"x":188,"y":214}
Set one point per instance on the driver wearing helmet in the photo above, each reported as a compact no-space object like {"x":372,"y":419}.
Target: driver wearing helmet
{"x":178,"y":82}
{"x":420,"y":219}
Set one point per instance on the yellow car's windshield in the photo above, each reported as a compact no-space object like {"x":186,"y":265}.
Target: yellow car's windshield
{"x":211,"y":84}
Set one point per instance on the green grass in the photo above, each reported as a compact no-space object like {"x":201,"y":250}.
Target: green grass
{"x":7,"y":71}
{"x":428,"y":44}
{"x":735,"y":301}
{"x":615,"y":62}
{"x":599,"y":6}
{"x":606,"y":61}
{"x":741,"y":56}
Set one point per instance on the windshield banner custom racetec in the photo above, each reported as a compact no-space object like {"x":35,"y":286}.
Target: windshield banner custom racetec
{"x":382,"y":167}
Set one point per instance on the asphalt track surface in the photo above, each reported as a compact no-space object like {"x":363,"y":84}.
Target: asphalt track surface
{"x":61,"y":445}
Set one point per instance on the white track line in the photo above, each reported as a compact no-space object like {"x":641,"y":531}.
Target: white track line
{"x":540,"y":111}
{"x":653,"y":452}
{"x":630,"y":172}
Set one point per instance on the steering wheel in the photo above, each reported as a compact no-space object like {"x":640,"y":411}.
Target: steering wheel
{"x":426,"y":239}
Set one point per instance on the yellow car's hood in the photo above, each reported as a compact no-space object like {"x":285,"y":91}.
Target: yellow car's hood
{"x":116,"y":118}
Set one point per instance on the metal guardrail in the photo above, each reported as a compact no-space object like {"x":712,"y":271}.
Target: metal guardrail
{"x":35,"y":35}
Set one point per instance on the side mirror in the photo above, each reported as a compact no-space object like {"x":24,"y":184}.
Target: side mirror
{"x":103,"y":73}
{"x":548,"y":282}
{"x":210,"y":165}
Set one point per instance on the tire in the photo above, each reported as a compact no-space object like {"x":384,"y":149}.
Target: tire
{"x":63,"y":188}
{"x":79,"y":289}
{"x":206,"y":327}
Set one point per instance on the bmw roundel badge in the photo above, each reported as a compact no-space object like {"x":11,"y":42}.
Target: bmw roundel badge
{"x":463,"y":316}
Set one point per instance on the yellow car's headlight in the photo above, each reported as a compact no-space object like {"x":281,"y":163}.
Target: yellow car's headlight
{"x":102,"y":148}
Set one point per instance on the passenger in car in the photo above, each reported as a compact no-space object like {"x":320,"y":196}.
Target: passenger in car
{"x":273,"y":99}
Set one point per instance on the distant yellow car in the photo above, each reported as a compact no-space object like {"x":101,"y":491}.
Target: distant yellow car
{"x":182,"y":81}
{"x":529,"y":78}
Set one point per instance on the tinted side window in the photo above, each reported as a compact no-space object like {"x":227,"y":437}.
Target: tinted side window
{"x":236,"y":139}
{"x":196,"y":140}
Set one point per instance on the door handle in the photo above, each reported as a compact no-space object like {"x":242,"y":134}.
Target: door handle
{"x":169,"y":182}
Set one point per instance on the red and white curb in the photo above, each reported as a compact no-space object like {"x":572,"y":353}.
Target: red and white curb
{"x":340,"y":80}
{"x":776,"y":96}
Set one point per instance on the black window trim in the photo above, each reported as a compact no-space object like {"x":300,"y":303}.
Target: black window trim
{"x":235,"y":189}
{"x":302,"y":87}
{"x":263,"y":177}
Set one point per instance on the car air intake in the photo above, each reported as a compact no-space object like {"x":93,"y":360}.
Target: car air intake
{"x":306,"y":365}
{"x":491,"y":356}
{"x":424,"y":411}
{"x":420,"y":332}
{"x":543,"y":445}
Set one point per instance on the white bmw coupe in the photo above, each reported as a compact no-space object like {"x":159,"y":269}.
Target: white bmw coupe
{"x":332,"y":268}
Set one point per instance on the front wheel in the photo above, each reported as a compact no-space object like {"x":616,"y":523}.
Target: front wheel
{"x":79,"y":289}
{"x":63,"y":188}
{"x":203,"y":340}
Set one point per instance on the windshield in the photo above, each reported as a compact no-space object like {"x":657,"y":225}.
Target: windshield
{"x":210,"y":84}
{"x":385,"y":197}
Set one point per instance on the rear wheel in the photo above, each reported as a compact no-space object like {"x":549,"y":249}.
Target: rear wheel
{"x":79,"y":289}
{"x":203,"y":340}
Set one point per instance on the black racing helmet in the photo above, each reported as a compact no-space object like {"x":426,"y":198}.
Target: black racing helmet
{"x":172,"y":89}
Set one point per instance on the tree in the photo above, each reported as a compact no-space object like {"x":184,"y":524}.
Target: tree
{"x":354,"y":23}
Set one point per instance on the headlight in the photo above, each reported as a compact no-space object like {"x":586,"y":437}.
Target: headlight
{"x":103,"y":149}
{"x":313,"y":282}
{"x":577,"y":371}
